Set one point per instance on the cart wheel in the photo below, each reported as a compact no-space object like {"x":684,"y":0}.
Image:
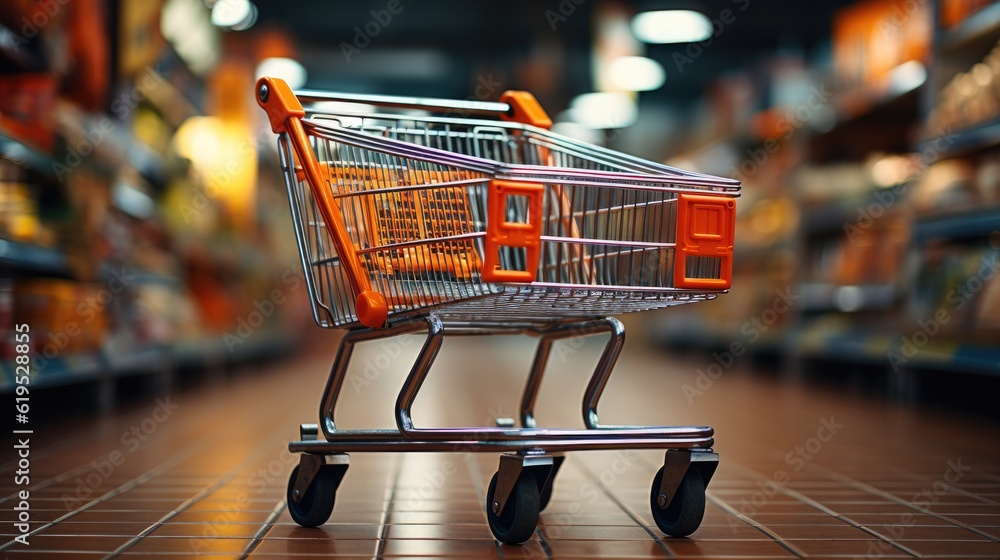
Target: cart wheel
{"x":316,"y":506}
{"x":687,"y":508}
{"x":519,"y":518}
{"x":545,"y":496}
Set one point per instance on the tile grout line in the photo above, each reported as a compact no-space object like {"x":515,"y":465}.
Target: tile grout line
{"x":755,"y":524}
{"x":883,"y":494}
{"x":84,"y":467}
{"x":388,"y":499}
{"x":477,"y":482}
{"x":732,"y":511}
{"x":258,"y":537}
{"x":628,"y":511}
{"x":918,"y":478}
{"x":137,"y":481}
{"x":829,"y":511}
{"x":202,"y":494}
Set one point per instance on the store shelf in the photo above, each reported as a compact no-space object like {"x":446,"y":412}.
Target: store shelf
{"x":26,"y":156}
{"x":957,"y":225}
{"x":11,"y":49}
{"x":850,"y":298}
{"x":978,"y":25}
{"x":855,"y":346}
{"x":976,"y":138}
{"x":90,"y":367}
{"x":33,"y":260}
{"x":954,"y":358}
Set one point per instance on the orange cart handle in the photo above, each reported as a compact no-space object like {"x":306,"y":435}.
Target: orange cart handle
{"x":285,"y":114}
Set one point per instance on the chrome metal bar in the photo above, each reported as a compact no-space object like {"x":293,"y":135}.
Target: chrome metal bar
{"x":338,"y":372}
{"x":418,"y":242}
{"x":286,"y":159}
{"x":602,"y":373}
{"x":416,"y":378}
{"x":610,"y":242}
{"x":534,"y":381}
{"x":405,"y":102}
{"x":596,"y":442}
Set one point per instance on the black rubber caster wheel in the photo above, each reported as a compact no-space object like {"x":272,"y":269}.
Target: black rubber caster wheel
{"x":316,"y":506}
{"x":545,"y":496}
{"x":686,"y":510}
{"x":518,"y":520}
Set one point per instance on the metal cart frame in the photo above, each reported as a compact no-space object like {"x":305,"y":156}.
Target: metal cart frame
{"x":532,"y":455}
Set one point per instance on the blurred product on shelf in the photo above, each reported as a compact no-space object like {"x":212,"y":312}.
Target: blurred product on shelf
{"x":954,"y":12}
{"x":27,"y":104}
{"x":970,"y":98}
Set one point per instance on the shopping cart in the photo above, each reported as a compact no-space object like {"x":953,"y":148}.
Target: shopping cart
{"x":423,"y":215}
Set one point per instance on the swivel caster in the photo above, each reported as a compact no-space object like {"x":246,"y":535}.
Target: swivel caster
{"x":312,"y":488}
{"x":516,"y":522}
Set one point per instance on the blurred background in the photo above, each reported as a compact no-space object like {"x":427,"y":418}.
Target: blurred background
{"x":145,"y":235}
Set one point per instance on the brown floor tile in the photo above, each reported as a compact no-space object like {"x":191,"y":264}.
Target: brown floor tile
{"x":484,"y":548}
{"x":443,"y":516}
{"x":288,"y":548}
{"x":964,"y":548}
{"x":440,"y":532}
{"x":693,"y":548}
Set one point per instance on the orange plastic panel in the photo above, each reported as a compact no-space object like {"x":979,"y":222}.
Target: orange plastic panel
{"x":501,"y":233}
{"x":706,"y":226}
{"x":525,"y":109}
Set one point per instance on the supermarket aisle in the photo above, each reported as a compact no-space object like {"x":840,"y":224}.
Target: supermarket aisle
{"x":804,"y":472}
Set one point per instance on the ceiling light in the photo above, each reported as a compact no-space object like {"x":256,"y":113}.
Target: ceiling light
{"x":671,"y":26}
{"x":604,"y":110}
{"x":636,"y":73}
{"x":234,"y":14}
{"x":288,"y":69}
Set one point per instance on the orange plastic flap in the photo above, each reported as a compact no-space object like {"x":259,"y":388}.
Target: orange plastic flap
{"x":501,"y":233}
{"x":706,"y":227}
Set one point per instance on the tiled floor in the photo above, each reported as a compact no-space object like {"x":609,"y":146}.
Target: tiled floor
{"x":804,"y":472}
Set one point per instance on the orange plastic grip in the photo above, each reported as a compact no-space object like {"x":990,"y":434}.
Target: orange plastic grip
{"x":501,"y":233}
{"x":285,"y":113}
{"x":524,"y":108}
{"x":706,"y":227}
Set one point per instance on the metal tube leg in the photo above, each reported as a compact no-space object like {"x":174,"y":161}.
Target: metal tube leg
{"x":339,"y":370}
{"x":418,"y":373}
{"x":534,"y":382}
{"x":603,"y":372}
{"x":334,"y":383}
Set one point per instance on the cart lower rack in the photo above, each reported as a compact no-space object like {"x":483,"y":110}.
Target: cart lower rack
{"x":412,"y":216}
